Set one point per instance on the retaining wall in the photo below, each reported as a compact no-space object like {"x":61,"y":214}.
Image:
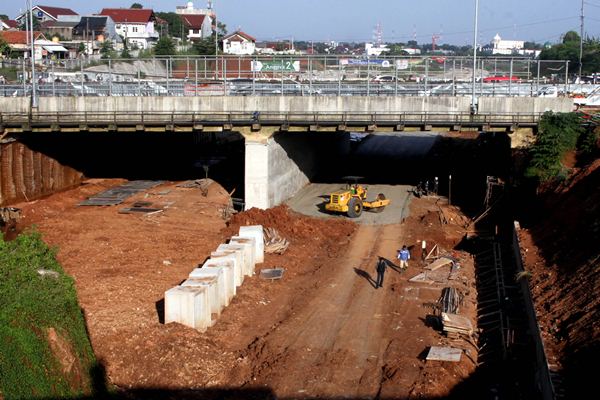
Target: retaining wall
{"x":298,"y":104}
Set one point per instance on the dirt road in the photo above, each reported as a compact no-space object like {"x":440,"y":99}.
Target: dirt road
{"x":322,"y":331}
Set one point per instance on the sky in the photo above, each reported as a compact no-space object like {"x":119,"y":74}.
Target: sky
{"x":353,"y":20}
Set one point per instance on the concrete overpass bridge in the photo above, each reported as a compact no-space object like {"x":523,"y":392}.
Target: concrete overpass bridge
{"x":271,"y":171}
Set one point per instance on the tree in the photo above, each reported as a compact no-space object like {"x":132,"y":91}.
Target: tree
{"x":164,"y":47}
{"x":4,"y":17}
{"x":137,"y":5}
{"x":175,"y":25}
{"x":205,"y":47}
{"x":107,"y":49}
{"x":4,"y":47}
{"x":25,"y":22}
{"x":125,"y":53}
{"x":571,"y":36}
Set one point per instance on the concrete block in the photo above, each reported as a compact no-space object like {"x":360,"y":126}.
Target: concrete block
{"x":228,"y":276}
{"x":249,"y":252}
{"x":256,"y":232}
{"x":236,"y":258}
{"x":189,"y":306}
{"x":244,"y":260}
{"x":217,"y":295}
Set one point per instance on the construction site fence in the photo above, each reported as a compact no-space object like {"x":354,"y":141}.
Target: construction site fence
{"x":289,"y":75}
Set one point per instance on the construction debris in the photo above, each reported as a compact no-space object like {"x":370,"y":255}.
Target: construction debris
{"x":118,"y":194}
{"x":457,"y":324}
{"x":439,"y":263}
{"x":450,"y":300}
{"x":444,"y":354}
{"x":9,"y":217}
{"x":202,"y":184}
{"x":274,"y":243}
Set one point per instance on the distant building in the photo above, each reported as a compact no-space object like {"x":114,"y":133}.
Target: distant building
{"x":46,"y":13}
{"x":372,"y":50}
{"x":198,"y":22}
{"x":136,"y":26}
{"x":97,"y":27}
{"x":511,"y":47}
{"x":3,"y":26}
{"x":239,"y":43}
{"x":411,"y":51}
{"x":43,"y":48}
{"x":197,"y":26}
{"x":62,"y":29}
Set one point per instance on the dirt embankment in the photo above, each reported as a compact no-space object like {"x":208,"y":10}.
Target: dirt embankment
{"x":563,"y":253}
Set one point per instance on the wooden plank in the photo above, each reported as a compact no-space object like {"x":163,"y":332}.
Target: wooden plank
{"x":439,"y":263}
{"x":421,"y":278}
{"x":457,"y":322}
{"x":437,"y":353}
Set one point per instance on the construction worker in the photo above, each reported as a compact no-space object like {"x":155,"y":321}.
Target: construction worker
{"x":403,"y":256}
{"x":381,"y":264}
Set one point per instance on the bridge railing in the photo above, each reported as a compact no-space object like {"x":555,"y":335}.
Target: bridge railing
{"x":292,"y":75}
{"x":240,"y":118}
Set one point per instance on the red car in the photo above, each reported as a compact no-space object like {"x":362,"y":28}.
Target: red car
{"x":491,"y":79}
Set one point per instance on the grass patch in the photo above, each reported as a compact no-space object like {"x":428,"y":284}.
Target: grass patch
{"x":30,"y":304}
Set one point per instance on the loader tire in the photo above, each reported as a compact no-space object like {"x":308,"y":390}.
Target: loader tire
{"x":380,"y":196}
{"x":355,"y":207}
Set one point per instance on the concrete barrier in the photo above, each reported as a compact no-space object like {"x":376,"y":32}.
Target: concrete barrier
{"x":189,"y":306}
{"x":236,"y":257}
{"x":216,"y":295}
{"x":256,"y":232}
{"x":246,"y":256}
{"x":228,"y":276}
{"x":249,"y":252}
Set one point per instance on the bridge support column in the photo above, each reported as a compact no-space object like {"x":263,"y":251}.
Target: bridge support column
{"x":276,"y":168}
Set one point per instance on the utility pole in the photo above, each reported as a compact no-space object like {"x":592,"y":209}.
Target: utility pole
{"x":473,"y":101}
{"x":581,"y":43}
{"x":34,"y":102}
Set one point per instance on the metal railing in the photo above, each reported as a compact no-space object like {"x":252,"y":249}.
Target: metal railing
{"x":291,"y":75}
{"x":243,"y":118}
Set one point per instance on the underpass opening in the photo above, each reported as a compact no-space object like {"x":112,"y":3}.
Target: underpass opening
{"x":460,"y":161}
{"x":148,"y":155}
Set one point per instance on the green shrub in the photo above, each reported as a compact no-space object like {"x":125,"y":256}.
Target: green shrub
{"x":30,"y":304}
{"x":558,"y":133}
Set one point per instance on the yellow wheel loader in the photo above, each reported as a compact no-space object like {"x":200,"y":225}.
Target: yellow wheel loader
{"x":352,"y":200}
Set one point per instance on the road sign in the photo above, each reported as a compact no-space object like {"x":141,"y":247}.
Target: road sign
{"x":272,"y":66}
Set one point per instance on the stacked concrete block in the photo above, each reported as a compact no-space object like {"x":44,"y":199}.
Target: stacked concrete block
{"x":199,"y":300}
{"x":245,"y":252}
{"x":228,"y":276}
{"x":256,"y":232}
{"x":190,"y":306}
{"x":250,"y":247}
{"x":231,"y":254}
{"x":214,"y":281}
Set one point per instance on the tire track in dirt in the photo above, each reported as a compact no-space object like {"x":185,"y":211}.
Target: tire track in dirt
{"x":336,"y":344}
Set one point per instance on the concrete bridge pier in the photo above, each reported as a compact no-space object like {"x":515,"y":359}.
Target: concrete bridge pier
{"x":273,"y":173}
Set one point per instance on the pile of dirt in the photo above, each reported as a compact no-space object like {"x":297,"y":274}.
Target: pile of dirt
{"x":291,"y":225}
{"x":563,"y":255}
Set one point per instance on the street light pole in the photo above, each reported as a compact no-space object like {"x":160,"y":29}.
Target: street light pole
{"x":473,"y":100}
{"x":581,"y":43}
{"x":34,"y":102}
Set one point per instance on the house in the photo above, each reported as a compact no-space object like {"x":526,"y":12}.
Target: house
{"x":96,"y":27}
{"x":43,"y":48}
{"x":46,"y":13}
{"x":136,"y":26}
{"x":3,"y":26}
{"x":197,"y":26}
{"x":62,"y":29}
{"x":239,"y":43}
{"x":509,"y":47}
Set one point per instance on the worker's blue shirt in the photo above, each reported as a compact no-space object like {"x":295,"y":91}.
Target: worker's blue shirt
{"x":404,"y":255}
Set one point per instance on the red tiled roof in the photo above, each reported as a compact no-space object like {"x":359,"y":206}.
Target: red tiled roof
{"x":12,"y":23}
{"x":56,"y":11}
{"x":193,"y":21}
{"x":19,"y":37}
{"x":133,"y":15}
{"x":241,"y":34}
